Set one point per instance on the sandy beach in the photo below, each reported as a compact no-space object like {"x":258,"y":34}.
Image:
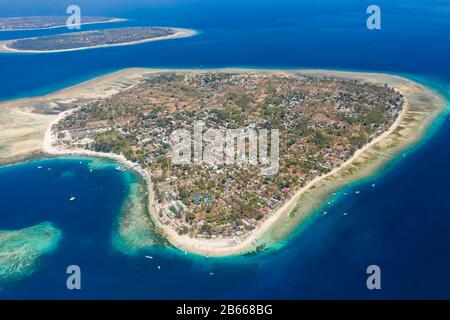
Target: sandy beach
{"x":49,"y":148}
{"x":421,"y":108}
{"x":181,"y":33}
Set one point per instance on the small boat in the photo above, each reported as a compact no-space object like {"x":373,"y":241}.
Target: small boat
{"x":49,"y":169}
{"x":90,"y":170}
{"x":325,"y":213}
{"x":159,"y":267}
{"x":357,"y":192}
{"x":373,"y":185}
{"x":345,"y":213}
{"x":211,"y":273}
{"x":148,"y":257}
{"x":39,"y":167}
{"x":72,"y":198}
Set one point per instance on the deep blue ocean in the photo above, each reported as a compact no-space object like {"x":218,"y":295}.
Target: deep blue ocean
{"x":402,"y":224}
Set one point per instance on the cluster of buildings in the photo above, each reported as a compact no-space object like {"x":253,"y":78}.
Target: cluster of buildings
{"x":322,"y":122}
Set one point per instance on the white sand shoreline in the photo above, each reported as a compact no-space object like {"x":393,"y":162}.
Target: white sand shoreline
{"x":414,"y":118}
{"x":181,"y":33}
{"x":47,"y":145}
{"x":206,"y":247}
{"x":221,"y":247}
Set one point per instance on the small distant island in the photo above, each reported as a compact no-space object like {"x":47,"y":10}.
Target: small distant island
{"x":93,"y":39}
{"x":47,"y":22}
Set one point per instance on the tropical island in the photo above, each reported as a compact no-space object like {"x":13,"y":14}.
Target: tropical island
{"x":335,"y":128}
{"x":93,"y":39}
{"x":321,"y":123}
{"x":47,"y":22}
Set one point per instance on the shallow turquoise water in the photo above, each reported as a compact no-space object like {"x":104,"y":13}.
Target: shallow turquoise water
{"x":401,"y":224}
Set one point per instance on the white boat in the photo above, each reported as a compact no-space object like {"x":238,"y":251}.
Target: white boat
{"x":148,"y":257}
{"x":325,"y":213}
{"x":211,"y":273}
{"x":72,"y":198}
{"x":159,"y":267}
{"x":346,"y":214}
{"x":357,"y":192}
{"x":39,"y":167}
{"x":373,"y":185}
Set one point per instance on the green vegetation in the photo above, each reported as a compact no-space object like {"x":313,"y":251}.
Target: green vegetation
{"x":85,"y":39}
{"x":321,"y":121}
